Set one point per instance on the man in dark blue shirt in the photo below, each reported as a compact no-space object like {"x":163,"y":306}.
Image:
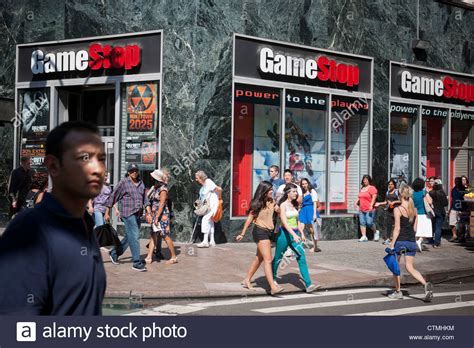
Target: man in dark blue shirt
{"x":50,"y":262}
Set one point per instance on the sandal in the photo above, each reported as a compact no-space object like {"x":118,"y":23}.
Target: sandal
{"x":246,"y":284}
{"x":172,"y":261}
{"x":149,"y":260}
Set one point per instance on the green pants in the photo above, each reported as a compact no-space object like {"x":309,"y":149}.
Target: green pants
{"x":285,"y":240}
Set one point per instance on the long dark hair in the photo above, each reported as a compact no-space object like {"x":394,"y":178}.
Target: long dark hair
{"x":458,"y":183}
{"x":260,"y":198}
{"x":310,"y":187}
{"x":284,"y":197}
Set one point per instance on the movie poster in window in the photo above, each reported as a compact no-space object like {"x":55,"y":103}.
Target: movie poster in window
{"x":34,"y":113}
{"x":142,"y":107}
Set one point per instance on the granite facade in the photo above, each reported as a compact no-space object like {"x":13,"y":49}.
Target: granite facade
{"x":197,"y":66}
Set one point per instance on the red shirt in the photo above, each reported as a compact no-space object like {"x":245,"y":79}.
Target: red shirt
{"x":365,"y":198}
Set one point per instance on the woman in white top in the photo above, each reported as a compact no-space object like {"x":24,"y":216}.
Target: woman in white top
{"x":212,"y":193}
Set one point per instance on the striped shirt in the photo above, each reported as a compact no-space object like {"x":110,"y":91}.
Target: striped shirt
{"x":130,"y":197}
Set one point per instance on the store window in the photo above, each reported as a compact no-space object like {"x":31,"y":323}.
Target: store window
{"x":256,"y":144}
{"x":305,"y":138}
{"x":349,"y":158}
{"x":402,"y":119}
{"x":140,"y":128}
{"x":462,"y":142}
{"x":433,"y":128}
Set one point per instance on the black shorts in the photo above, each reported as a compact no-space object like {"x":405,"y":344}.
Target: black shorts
{"x":260,"y":233}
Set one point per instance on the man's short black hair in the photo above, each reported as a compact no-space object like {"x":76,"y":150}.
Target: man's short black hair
{"x":288,"y":171}
{"x":418,"y":184}
{"x":55,"y":139}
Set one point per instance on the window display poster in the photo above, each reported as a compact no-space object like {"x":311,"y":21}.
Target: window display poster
{"x":36,"y":151}
{"x":401,"y":141}
{"x":430,"y":152}
{"x":266,"y":142}
{"x":142,"y":108}
{"x":337,"y":165}
{"x":34,"y":113}
{"x":305,"y":146}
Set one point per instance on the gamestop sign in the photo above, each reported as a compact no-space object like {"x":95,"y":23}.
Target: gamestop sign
{"x":96,"y":57}
{"x":261,"y":59}
{"x":125,"y":55}
{"x":432,"y":85}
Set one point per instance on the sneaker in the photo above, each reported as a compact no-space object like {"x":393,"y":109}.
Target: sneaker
{"x":363,"y":239}
{"x":396,"y":295}
{"x":139,"y":267}
{"x":203,"y":245}
{"x":113,"y":258}
{"x":386,"y":241}
{"x":376,"y":235}
{"x":312,"y":287}
{"x":317,"y":250}
{"x":436,"y":246}
{"x":289,"y":252}
{"x":428,"y":292}
{"x":212,"y":244}
{"x":418,"y":244}
{"x":159,"y":256}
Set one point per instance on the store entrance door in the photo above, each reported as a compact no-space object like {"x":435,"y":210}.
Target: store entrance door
{"x":96,"y":105}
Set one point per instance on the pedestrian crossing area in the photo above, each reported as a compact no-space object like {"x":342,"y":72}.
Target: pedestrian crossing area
{"x":353,"y":302}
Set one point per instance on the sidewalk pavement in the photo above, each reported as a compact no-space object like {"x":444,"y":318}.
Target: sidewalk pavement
{"x":218,"y":271}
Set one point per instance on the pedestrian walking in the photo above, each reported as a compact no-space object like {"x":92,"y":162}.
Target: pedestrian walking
{"x":209,"y":194}
{"x":457,"y":207}
{"x":404,"y":242}
{"x":158,"y":215}
{"x":130,"y":196}
{"x":262,"y":208}
{"x":36,"y":193}
{"x":421,"y":197}
{"x":291,"y":235}
{"x":309,"y":213}
{"x":98,"y":203}
{"x":289,"y":178}
{"x":366,"y":205}
{"x":392,"y":199}
{"x":50,"y":262}
{"x":275,"y":179}
{"x":19,"y":185}
{"x":440,"y":202}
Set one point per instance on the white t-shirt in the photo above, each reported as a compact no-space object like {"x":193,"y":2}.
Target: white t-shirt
{"x":282,"y":188}
{"x":209,"y":186}
{"x":207,"y":191}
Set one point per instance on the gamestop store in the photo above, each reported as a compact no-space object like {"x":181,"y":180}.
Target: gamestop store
{"x":431,"y":124}
{"x":302,"y":108}
{"x":111,"y":81}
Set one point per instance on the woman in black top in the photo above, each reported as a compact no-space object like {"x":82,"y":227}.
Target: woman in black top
{"x":404,"y":241}
{"x":391,"y":201}
{"x":440,"y":201}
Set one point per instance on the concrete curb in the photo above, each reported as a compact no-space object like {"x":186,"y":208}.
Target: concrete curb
{"x":382,"y":281}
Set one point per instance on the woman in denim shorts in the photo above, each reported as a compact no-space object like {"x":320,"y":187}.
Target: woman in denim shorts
{"x":404,"y":241}
{"x":366,"y":203}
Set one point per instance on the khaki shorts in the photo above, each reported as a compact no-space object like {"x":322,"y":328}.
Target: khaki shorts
{"x":453,"y":217}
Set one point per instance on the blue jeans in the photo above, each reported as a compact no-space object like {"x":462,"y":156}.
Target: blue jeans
{"x":99,"y":218}
{"x":438,"y":223}
{"x":132,"y":232}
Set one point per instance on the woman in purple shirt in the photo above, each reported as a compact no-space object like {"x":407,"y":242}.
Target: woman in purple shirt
{"x":98,"y":204}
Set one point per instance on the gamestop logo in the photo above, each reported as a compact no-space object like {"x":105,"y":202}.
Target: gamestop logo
{"x":322,"y":68}
{"x":447,"y":87}
{"x":96,"y":58}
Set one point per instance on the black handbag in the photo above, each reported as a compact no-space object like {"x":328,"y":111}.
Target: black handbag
{"x":107,"y":236}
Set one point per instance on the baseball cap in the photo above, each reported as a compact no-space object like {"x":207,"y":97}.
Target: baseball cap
{"x":131,"y":167}
{"x":438,"y":182}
